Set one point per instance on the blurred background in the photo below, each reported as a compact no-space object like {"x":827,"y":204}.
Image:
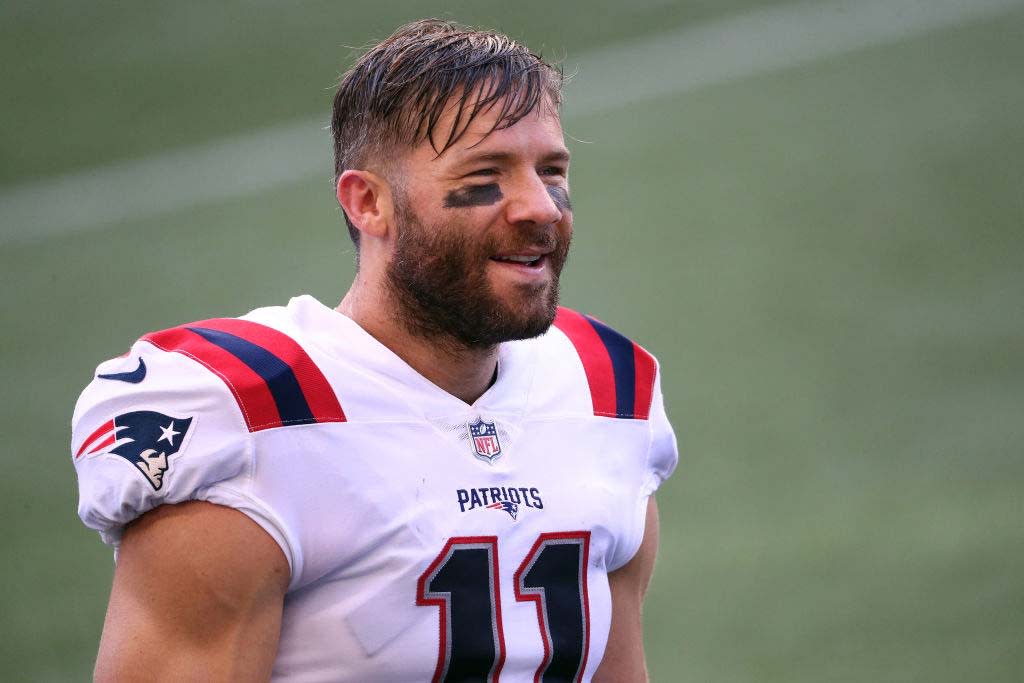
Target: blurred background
{"x":812,"y":213}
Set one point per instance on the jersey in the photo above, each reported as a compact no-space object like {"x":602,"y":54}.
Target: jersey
{"x":428,"y":539}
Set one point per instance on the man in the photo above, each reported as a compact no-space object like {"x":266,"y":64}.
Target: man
{"x":425,"y":484}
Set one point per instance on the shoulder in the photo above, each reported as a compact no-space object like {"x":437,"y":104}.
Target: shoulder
{"x":596,"y":368}
{"x":251,"y":369}
{"x":613,"y":377}
{"x":173,"y":417}
{"x":272,"y":378}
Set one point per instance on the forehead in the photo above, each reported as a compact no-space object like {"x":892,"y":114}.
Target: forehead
{"x":536,"y":135}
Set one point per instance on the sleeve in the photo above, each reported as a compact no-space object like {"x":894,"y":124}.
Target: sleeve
{"x":652,"y":468}
{"x":157,"y":427}
{"x":662,"y":452}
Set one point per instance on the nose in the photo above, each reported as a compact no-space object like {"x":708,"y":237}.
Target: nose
{"x":531,"y":203}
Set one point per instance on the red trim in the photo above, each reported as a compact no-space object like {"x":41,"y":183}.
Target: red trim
{"x":423,"y":601}
{"x":100,"y":431}
{"x":103,"y":444}
{"x":319,"y":394}
{"x":597,"y":364}
{"x":537,"y":598}
{"x":250,"y":391}
{"x":645,"y":368}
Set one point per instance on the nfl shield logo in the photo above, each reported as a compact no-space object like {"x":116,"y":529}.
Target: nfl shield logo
{"x":485,"y":440}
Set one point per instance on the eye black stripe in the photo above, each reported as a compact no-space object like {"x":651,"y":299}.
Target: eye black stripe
{"x":476,"y":195}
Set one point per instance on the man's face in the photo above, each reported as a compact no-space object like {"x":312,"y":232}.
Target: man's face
{"x":483,"y":232}
{"x":153,"y":464}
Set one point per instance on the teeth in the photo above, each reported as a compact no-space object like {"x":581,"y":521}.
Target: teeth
{"x":519,"y":259}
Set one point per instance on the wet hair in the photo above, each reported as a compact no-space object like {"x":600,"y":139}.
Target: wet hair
{"x":396,"y":94}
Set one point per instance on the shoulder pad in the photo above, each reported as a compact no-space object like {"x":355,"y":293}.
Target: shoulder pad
{"x":620,"y":374}
{"x":171,"y":421}
{"x":273,"y":380}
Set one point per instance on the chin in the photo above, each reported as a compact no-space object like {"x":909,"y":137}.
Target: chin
{"x":531,"y":318}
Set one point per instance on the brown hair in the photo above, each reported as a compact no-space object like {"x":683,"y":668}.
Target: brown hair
{"x":396,"y":93}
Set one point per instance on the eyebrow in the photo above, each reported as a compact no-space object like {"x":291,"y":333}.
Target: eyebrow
{"x":505,"y":157}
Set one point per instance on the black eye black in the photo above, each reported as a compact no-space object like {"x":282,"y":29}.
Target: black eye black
{"x":473,"y":195}
{"x":560,"y":197}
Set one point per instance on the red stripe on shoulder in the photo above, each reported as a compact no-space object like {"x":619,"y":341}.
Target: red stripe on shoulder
{"x":250,"y":391}
{"x":646,"y":367}
{"x":103,"y":444}
{"x":319,"y":394}
{"x":597,"y":364}
{"x":107,"y":426}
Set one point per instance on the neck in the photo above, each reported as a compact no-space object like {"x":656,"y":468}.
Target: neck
{"x":462,"y":371}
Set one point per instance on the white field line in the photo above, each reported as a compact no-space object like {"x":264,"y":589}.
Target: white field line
{"x":653,"y":66}
{"x":759,"y":42}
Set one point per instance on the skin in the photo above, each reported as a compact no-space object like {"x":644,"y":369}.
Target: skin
{"x":440,"y":280}
{"x":198,"y":595}
{"x":199,"y":589}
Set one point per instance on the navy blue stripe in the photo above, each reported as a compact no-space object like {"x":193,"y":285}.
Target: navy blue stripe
{"x":620,"y":349}
{"x":278,"y":375}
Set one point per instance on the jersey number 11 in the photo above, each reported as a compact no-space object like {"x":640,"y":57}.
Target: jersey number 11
{"x":463,"y":583}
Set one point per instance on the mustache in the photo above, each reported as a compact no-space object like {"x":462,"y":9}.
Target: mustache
{"x":539,"y":237}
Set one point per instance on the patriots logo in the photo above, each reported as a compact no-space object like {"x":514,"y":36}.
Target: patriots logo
{"x":508,"y":506}
{"x":144,"y":438}
{"x":485,"y":440}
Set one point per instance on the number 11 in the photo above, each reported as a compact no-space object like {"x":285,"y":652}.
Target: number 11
{"x":462,"y":582}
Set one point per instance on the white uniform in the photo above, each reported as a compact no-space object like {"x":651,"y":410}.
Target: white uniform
{"x":428,"y":540}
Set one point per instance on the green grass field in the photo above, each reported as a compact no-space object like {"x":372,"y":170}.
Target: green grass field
{"x":827,"y":257}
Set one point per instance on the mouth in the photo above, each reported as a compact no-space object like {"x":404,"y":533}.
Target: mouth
{"x":531,"y":261}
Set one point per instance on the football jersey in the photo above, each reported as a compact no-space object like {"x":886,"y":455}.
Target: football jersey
{"x":428,"y":539}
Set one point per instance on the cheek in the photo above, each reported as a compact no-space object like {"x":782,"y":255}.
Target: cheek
{"x":565,"y":226}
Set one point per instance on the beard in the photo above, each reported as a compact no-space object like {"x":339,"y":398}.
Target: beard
{"x":438,"y":278}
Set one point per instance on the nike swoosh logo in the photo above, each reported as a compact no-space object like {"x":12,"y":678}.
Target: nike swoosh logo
{"x":134,"y":377}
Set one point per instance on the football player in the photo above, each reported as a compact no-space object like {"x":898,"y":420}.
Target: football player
{"x":447,"y":477}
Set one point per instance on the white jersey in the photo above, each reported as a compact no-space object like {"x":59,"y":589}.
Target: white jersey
{"x":428,"y":539}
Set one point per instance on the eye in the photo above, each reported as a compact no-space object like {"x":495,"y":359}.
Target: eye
{"x":553,"y":171}
{"x":482,"y":172}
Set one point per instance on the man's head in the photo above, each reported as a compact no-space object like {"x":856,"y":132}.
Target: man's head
{"x":452,"y":170}
{"x":396,"y":94}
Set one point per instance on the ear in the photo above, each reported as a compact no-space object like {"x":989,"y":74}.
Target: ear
{"x":366,"y":199}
